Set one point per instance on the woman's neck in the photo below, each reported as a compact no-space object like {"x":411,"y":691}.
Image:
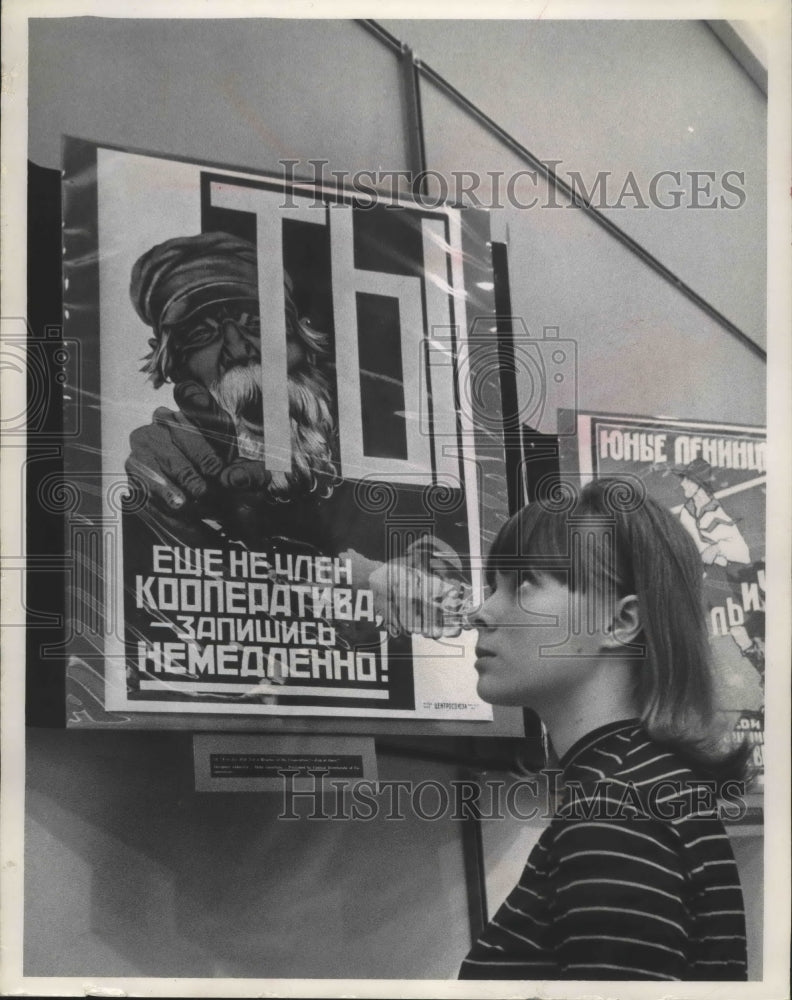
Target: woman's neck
{"x":608,"y":697}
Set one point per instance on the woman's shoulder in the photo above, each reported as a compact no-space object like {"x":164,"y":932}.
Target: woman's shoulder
{"x":629,"y":774}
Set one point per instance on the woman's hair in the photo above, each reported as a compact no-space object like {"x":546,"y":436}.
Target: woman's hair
{"x":610,"y":539}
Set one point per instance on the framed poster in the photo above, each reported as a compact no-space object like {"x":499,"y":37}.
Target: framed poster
{"x":273,"y":510}
{"x":713,"y":477}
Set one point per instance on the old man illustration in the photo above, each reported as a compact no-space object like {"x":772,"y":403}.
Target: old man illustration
{"x":201,"y":465}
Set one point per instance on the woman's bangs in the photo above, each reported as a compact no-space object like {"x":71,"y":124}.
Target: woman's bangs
{"x":532,"y":542}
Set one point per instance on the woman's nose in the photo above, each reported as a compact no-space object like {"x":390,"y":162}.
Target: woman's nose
{"x":481,"y":618}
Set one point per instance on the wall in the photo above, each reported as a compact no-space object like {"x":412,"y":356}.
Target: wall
{"x":129,"y":872}
{"x":230,"y":91}
{"x":621,"y":97}
{"x":642,"y":346}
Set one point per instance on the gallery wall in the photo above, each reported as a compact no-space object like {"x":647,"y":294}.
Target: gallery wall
{"x":129,"y":871}
{"x":621,"y":98}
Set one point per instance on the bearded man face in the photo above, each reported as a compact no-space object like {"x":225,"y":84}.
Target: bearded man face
{"x":220,"y":347}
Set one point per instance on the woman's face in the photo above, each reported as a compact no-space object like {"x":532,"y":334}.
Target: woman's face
{"x":530,"y":651}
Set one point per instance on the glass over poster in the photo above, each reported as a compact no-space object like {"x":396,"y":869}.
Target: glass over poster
{"x":278,"y":504}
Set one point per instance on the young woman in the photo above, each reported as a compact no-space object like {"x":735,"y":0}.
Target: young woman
{"x":595,"y":621}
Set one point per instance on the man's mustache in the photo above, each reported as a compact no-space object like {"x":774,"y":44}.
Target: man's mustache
{"x":238,"y":391}
{"x":237,"y":387}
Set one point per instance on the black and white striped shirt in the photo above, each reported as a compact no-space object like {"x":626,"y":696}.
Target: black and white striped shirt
{"x":634,"y":878}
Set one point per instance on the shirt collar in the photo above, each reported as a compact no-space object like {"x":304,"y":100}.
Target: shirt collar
{"x":594,"y":738}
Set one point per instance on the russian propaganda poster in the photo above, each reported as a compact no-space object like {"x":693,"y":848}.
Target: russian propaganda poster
{"x":288,"y":517}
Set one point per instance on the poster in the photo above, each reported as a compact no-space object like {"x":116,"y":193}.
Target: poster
{"x":287,"y":516}
{"x":713,"y":477}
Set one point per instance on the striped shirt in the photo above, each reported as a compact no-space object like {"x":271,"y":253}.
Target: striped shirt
{"x":634,"y":878}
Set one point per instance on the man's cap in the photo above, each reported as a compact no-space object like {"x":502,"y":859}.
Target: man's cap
{"x":175,"y":279}
{"x":698,"y":470}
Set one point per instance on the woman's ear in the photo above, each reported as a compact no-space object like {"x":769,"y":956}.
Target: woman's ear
{"x":626,"y":624}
